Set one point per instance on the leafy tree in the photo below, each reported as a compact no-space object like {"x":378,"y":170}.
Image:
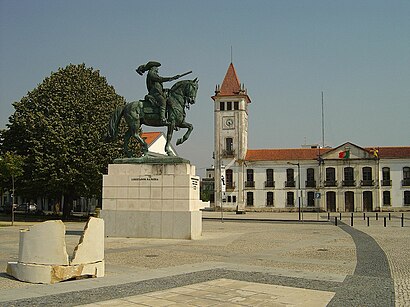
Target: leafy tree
{"x":59,"y":128}
{"x":11,"y":167}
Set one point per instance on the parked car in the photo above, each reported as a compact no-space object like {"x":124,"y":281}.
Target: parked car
{"x":25,"y":208}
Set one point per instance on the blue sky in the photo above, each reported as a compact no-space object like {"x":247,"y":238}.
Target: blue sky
{"x":285,"y":52}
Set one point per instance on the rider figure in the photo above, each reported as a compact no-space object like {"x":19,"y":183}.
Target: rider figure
{"x":154,"y":86}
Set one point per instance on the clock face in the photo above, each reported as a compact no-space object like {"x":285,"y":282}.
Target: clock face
{"x":228,"y":123}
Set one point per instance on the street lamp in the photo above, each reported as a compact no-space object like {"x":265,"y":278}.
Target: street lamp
{"x":300,"y":192}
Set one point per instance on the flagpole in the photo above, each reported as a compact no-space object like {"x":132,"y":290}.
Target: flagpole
{"x":323,"y":124}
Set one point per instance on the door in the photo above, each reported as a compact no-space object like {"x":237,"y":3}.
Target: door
{"x":349,"y":201}
{"x":331,"y":201}
{"x":367,"y":201}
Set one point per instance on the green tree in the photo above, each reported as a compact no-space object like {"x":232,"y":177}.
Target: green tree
{"x":11,"y":168}
{"x":59,"y":128}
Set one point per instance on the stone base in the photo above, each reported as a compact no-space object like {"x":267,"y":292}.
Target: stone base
{"x":152,"y":198}
{"x":153,"y":224}
{"x":49,"y":274}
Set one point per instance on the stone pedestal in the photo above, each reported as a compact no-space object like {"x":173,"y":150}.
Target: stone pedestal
{"x":152,"y":198}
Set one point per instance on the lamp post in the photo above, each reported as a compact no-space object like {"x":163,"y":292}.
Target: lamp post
{"x":299,"y":190}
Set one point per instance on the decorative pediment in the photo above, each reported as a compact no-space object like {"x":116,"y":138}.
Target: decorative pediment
{"x":347,"y":151}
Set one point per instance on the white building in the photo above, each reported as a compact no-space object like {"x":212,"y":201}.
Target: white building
{"x":345,"y":179}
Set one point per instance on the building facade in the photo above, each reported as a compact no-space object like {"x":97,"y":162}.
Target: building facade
{"x":347,"y":178}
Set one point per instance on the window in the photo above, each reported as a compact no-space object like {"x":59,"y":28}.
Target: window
{"x":269,"y":199}
{"x":406,"y":198}
{"x":269,"y":178}
{"x":406,"y":176}
{"x":229,"y":179}
{"x":249,"y":198}
{"x":290,"y":178}
{"x":222,"y":106}
{"x":229,"y":198}
{"x":236,"y":105}
{"x":349,"y":177}
{"x":386,"y":198}
{"x":367,"y":176}
{"x":290,"y":199}
{"x":310,"y":178}
{"x":386,"y":176}
{"x":330,"y":180}
{"x":249,"y":178}
{"x":311,"y":199}
{"x":234,"y":198}
{"x":228,"y":151}
{"x":229,"y":105}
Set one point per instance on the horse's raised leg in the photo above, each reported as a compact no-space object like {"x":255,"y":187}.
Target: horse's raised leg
{"x":135,"y":133}
{"x":170,"y":132}
{"x":187,"y":134}
{"x":127,"y":137}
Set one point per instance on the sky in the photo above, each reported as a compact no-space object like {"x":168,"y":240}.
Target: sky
{"x":286,"y":52}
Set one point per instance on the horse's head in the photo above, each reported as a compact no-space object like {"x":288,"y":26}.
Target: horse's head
{"x":188,"y":89}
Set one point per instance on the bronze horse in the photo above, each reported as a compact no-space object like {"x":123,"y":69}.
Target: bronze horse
{"x":144,"y":112}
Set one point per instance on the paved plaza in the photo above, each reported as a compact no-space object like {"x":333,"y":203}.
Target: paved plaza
{"x":256,"y":259}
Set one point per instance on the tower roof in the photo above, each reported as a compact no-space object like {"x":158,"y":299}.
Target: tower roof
{"x":231,"y":85}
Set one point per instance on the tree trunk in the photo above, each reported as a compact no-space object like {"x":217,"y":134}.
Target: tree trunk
{"x":68,"y":206}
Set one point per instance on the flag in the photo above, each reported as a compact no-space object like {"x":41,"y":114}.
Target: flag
{"x":344,"y":154}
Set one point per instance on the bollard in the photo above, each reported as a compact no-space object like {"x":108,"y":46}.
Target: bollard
{"x":340,"y":216}
{"x":335,"y":220}
{"x":402,"y":220}
{"x":368,"y":221}
{"x":377,"y":216}
{"x":384,"y":222}
{"x":389,"y":216}
{"x":328,"y":216}
{"x":351,"y":220}
{"x":364,"y":216}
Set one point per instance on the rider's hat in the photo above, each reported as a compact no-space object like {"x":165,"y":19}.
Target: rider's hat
{"x":145,"y":67}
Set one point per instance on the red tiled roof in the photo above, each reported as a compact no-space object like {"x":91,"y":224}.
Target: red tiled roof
{"x":313,"y":153}
{"x":392,"y":152}
{"x":231,"y":86}
{"x":284,"y":154}
{"x":150,"y":137}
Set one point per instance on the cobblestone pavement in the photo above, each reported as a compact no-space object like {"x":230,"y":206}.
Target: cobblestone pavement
{"x":316,"y":256}
{"x":395,"y":242}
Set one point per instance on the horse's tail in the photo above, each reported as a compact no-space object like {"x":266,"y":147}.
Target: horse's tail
{"x":112,"y":131}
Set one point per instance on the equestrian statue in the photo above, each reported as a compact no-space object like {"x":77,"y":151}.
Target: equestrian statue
{"x":160,"y":107}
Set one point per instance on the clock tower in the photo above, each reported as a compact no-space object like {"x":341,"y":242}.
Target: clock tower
{"x":231,"y":138}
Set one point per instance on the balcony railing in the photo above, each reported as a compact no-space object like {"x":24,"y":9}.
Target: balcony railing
{"x":269,"y":203}
{"x":290,"y":184}
{"x":228,"y":153}
{"x":310,"y":183}
{"x":386,"y":183}
{"x":405,"y":182}
{"x":330,"y":183}
{"x":269,"y":184}
{"x":230,"y":186}
{"x":367,"y":183}
{"x":249,"y":184}
{"x":349,"y":183}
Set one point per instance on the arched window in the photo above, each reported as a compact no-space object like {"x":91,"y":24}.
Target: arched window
{"x":229,"y":179}
{"x":406,"y":176}
{"x":348,"y":177}
{"x":269,"y":178}
{"x":386,"y":176}
{"x":330,"y":177}
{"x":269,"y":199}
{"x":290,"y":178}
{"x":249,"y":198}
{"x":310,"y":178}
